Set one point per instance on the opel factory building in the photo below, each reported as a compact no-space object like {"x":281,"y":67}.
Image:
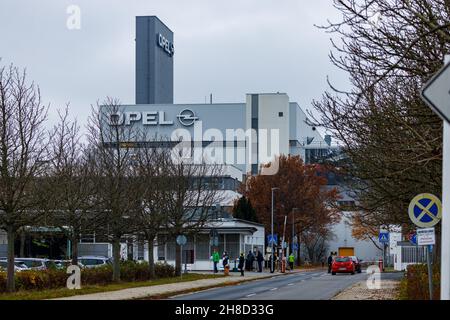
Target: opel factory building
{"x":242,"y":136}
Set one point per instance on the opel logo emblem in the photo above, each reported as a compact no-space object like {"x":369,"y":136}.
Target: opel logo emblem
{"x":187,"y":117}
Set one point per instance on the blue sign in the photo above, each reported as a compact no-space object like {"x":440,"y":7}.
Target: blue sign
{"x":383,"y":237}
{"x":294,"y":246}
{"x":271,"y":239}
{"x":413,"y":239}
{"x":425,"y":210}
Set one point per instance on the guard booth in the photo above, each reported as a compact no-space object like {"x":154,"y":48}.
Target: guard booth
{"x":406,"y":253}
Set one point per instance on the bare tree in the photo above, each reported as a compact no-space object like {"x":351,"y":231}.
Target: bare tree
{"x":70,"y":183}
{"x":389,"y":48}
{"x":22,"y":155}
{"x":192,"y":192}
{"x":151,"y":165}
{"x":315,"y":242}
{"x":114,"y":146}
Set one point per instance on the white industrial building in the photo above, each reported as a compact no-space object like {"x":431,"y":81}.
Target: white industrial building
{"x":243,"y":136}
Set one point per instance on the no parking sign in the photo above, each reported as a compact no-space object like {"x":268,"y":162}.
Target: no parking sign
{"x":425,"y":210}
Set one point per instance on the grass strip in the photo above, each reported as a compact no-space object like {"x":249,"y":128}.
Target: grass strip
{"x":64,"y":292}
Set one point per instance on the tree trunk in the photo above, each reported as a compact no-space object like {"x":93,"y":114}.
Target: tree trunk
{"x":116,"y":259}
{"x":177,"y":260}
{"x":10,"y":283}
{"x":151,"y":256}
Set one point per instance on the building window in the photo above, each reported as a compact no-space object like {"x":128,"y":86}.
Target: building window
{"x":202,"y":247}
{"x":140,"y":249}
{"x":232,"y":243}
{"x":161,"y":248}
{"x":280,"y":114}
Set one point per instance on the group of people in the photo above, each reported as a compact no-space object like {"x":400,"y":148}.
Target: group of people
{"x":330,"y":260}
{"x":247,"y":263}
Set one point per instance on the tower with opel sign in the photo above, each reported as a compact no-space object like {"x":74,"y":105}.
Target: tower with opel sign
{"x":154,"y":61}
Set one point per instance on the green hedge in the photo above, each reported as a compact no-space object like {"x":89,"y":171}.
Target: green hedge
{"x":51,"y":279}
{"x":415,"y":285}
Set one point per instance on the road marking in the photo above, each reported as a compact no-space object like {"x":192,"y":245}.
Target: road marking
{"x":290,"y":284}
{"x":251,"y":295}
{"x":273,"y":289}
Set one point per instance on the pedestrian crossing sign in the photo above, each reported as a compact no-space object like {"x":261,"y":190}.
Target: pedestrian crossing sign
{"x":383,"y":237}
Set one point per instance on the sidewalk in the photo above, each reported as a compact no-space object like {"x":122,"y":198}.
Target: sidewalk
{"x":389,"y":290}
{"x":174,"y":288}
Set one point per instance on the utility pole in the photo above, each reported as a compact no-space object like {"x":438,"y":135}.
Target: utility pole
{"x":271,"y":232}
{"x":436,"y":94}
{"x":445,"y":229}
{"x":293,"y":230}
{"x":283,"y":265}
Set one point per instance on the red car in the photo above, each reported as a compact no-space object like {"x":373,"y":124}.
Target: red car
{"x":343,"y":265}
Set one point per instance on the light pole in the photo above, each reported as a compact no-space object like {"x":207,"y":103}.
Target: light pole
{"x":293,"y":228}
{"x":272,"y":269}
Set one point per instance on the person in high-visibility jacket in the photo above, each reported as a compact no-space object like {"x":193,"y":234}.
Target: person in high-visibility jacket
{"x":215,"y":259}
{"x":291,"y":261}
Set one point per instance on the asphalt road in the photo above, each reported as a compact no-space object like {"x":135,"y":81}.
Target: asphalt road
{"x":313,"y":285}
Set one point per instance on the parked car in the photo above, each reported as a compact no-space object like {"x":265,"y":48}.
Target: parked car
{"x":93,"y":261}
{"x":343,"y":265}
{"x":61,"y":264}
{"x":357,"y":263}
{"x":35,"y":263}
{"x":18,"y":266}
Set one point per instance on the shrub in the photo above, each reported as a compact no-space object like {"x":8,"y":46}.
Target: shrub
{"x":99,"y":275}
{"x":164,"y":270}
{"x":417,"y":282}
{"x":53,"y":278}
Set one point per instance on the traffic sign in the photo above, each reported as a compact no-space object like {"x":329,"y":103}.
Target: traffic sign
{"x":436,"y":93}
{"x":273,"y":239}
{"x":383,"y":237}
{"x":181,"y":240}
{"x":425,"y":210}
{"x":295,"y":246}
{"x":394,"y":238}
{"x":426,"y":237}
{"x":413,"y":238}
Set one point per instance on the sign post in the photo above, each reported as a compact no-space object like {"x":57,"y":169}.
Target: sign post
{"x":425,"y":211}
{"x":383,"y":238}
{"x":436,"y":94}
{"x":426,"y":237}
{"x":181,"y":241}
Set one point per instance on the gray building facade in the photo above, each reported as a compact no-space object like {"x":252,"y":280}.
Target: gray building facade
{"x":154,"y":61}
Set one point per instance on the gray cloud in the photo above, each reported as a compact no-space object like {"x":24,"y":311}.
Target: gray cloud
{"x":227,"y":48}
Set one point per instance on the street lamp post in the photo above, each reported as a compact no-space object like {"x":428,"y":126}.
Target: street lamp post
{"x":272,"y":269}
{"x":293,"y":228}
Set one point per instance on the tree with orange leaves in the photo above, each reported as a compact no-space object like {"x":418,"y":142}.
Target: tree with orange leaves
{"x":303,"y":196}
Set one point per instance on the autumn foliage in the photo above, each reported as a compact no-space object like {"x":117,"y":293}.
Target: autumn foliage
{"x":300,"y":186}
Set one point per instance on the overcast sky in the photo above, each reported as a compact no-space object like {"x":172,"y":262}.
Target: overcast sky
{"x":228,"y":48}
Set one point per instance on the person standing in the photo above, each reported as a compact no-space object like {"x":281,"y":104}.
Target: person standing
{"x":250,"y":260}
{"x":216,"y":259}
{"x":260,"y":259}
{"x":291,"y":261}
{"x":225,"y":260}
{"x":330,"y":261}
{"x":241,"y":263}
